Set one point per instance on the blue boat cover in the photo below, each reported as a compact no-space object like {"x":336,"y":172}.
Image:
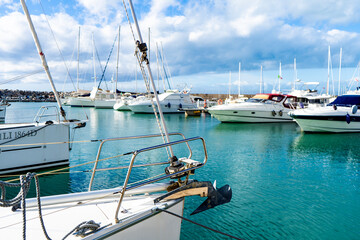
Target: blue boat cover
{"x":346,"y":100}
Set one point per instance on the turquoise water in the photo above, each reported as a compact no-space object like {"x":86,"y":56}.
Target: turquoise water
{"x":286,"y":184}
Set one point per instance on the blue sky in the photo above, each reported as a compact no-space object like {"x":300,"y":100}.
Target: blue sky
{"x":202,"y":41}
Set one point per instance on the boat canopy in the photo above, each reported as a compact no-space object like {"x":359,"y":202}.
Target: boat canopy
{"x":273,"y":97}
{"x":346,"y":100}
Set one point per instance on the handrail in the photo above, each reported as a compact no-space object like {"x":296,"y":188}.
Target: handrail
{"x":131,"y":165}
{"x":127,"y":138}
{"x":40,"y":114}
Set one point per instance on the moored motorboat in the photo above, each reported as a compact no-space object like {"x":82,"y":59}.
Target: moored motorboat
{"x":261,"y":108}
{"x":341,"y":115}
{"x":122,"y":103}
{"x":171,"y":101}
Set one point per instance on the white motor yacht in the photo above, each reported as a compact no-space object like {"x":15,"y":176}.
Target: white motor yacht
{"x":122,"y":103}
{"x":310,"y":97}
{"x":171,"y":101}
{"x":262,"y":108}
{"x":341,"y":115}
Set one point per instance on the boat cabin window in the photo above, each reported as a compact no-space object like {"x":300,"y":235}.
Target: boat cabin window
{"x":290,"y":102}
{"x":254,"y":100}
{"x":276,"y":98}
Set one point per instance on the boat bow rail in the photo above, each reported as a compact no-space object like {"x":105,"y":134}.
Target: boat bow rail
{"x":182,"y":167}
{"x":43,"y":113}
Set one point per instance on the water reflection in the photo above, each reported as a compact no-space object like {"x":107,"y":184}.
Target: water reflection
{"x":338,"y":147}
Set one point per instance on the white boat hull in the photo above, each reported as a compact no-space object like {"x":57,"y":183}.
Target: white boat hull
{"x":250,"y":113}
{"x":108,"y":104}
{"x":327,"y":119}
{"x":308,"y":125}
{"x":80,"y":102}
{"x":147,"y":108}
{"x":122,"y":105}
{"x":29,"y":146}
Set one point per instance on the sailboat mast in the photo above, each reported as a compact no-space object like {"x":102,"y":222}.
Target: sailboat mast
{"x":239,"y":78}
{"x":261,"y":78}
{"x":152,"y":80}
{"x":117,"y":62}
{"x":42,"y":57}
{"x":93,"y":41}
{"x":78,"y":62}
{"x":279,"y":76}
{"x":295,"y":73}
{"x":229,"y":83}
{"x":328,"y":80}
{"x":149,"y":45}
{"x":339,"y":71}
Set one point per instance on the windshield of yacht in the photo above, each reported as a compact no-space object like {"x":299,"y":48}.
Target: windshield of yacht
{"x":255,"y":100}
{"x":346,"y":100}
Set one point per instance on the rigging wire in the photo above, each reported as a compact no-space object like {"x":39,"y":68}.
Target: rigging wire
{"x":22,"y":76}
{"x":57,"y":45}
{"x":101,"y":68}
{"x":146,"y":81}
{"x":107,"y":61}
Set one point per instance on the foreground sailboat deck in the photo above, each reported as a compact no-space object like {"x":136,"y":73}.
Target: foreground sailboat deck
{"x":62,"y":217}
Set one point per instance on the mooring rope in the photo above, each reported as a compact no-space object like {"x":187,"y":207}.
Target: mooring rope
{"x":19,"y":200}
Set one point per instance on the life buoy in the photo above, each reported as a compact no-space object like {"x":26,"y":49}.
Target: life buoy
{"x":220,"y":102}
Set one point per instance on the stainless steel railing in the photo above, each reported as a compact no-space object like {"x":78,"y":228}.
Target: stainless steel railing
{"x":41,"y":113}
{"x":131,"y":165}
{"x":128,"y":138}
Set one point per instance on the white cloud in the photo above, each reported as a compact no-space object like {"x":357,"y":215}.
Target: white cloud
{"x":198,"y":36}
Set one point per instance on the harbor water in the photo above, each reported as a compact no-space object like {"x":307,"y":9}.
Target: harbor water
{"x":286,"y":184}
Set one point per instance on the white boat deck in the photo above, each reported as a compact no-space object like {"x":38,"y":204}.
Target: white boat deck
{"x":60,"y":219}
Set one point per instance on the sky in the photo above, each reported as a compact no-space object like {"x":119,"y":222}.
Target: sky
{"x":199,"y":43}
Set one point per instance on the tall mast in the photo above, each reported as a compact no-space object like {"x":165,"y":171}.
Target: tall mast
{"x":328,"y":80}
{"x":229,"y":83}
{"x":339,"y":71}
{"x":280,"y":77}
{"x":42,"y":57}
{"x":78,"y":62}
{"x":295,"y":73}
{"x":157,"y":66}
{"x":239,"y":78}
{"x":117,"y":62}
{"x":93,"y":41}
{"x":261,"y":79}
{"x":151,"y":79}
{"x":149,"y":45}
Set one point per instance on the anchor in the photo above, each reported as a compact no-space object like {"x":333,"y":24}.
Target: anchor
{"x":215,"y":197}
